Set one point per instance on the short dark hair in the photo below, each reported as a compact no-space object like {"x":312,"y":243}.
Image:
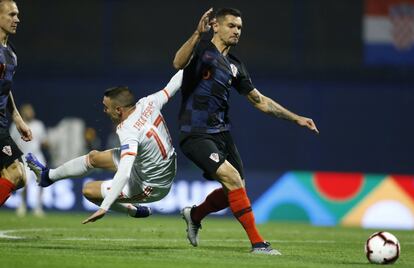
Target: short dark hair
{"x":222,"y":12}
{"x":121,"y":95}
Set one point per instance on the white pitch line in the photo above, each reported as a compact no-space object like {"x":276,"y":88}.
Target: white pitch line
{"x":178,"y":240}
{"x":5,"y":234}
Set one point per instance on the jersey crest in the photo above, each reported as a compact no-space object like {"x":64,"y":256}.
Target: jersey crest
{"x":215,"y":157}
{"x":7,"y":150}
{"x":234,"y":70}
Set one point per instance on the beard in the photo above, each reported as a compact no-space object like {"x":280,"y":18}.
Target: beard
{"x":231,"y":42}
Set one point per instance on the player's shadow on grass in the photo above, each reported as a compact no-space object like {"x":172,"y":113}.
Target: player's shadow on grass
{"x":189,"y":247}
{"x":223,"y":248}
{"x":156,"y":247}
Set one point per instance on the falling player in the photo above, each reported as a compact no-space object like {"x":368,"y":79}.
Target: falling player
{"x":145,"y":164}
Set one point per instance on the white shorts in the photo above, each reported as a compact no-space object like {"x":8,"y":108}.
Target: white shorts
{"x":138,"y":190}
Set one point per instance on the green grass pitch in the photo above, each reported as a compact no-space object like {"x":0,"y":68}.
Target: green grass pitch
{"x":60,"y":240}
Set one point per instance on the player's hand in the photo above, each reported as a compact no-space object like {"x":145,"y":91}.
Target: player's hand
{"x":25,"y":131}
{"x":307,"y":122}
{"x":205,"y":24}
{"x":100,"y":213}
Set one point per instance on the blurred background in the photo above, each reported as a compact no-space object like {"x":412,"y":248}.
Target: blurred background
{"x":348,"y":64}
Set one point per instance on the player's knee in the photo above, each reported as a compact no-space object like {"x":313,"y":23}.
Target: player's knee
{"x":229,"y":176}
{"x":87,"y":190}
{"x":93,"y":158}
{"x":235,"y":181}
{"x":92,"y":191}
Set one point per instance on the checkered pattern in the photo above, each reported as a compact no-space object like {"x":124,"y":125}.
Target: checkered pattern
{"x":402,"y":19}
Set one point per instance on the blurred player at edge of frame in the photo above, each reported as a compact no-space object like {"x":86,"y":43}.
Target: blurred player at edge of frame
{"x":35,"y":146}
{"x":12,"y":175}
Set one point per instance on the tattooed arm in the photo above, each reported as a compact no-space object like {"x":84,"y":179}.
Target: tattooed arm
{"x":269,"y":106}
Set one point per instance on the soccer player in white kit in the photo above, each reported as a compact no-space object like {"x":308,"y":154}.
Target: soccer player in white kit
{"x":145,"y":164}
{"x":34,"y":146}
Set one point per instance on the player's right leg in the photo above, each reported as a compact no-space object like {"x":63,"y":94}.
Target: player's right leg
{"x":77,"y":167}
{"x":12,"y":178}
{"x":203,"y":151}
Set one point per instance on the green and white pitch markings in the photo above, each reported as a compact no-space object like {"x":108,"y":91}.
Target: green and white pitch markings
{"x":60,"y":240}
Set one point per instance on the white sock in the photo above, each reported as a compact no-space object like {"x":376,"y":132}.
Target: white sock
{"x":76,"y":167}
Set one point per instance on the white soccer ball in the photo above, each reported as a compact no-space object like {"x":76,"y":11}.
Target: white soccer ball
{"x":382,"y":248}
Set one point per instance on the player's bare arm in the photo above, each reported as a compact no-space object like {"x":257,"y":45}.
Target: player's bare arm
{"x":269,"y":106}
{"x":21,"y":126}
{"x":99,"y":214}
{"x":184,"y":54}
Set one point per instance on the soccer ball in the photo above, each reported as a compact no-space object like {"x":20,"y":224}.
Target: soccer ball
{"x":382,"y":248}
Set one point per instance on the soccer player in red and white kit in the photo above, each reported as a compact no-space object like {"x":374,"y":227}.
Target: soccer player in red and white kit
{"x":145,"y":164}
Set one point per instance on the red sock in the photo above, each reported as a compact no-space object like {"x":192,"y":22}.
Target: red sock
{"x":215,"y":201}
{"x":6,"y":188}
{"x":242,"y":210}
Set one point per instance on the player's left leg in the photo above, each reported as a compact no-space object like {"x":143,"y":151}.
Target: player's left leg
{"x":96,"y":191}
{"x":12,"y":175}
{"x":136,"y":190}
{"x":21,"y":210}
{"x":12,"y":178}
{"x":38,"y":210}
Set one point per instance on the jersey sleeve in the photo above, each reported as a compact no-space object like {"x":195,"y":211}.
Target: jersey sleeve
{"x":161,"y":97}
{"x":129,"y":151}
{"x":120,"y":180}
{"x":243,"y":83}
{"x":129,"y":142}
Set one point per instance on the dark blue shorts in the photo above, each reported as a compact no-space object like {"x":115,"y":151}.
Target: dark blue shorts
{"x":9,"y":151}
{"x":209,"y":151}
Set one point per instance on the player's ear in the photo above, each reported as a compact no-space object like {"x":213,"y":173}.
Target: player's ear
{"x":214,"y":25}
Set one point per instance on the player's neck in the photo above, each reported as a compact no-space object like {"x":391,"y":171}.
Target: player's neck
{"x":223,"y":48}
{"x":127,"y":112}
{"x":3,"y":38}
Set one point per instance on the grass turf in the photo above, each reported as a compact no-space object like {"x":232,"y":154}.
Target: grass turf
{"x":60,"y":240}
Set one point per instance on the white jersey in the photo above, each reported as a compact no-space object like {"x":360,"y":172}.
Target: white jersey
{"x":145,"y":134}
{"x":35,"y":145}
{"x":147,"y":157}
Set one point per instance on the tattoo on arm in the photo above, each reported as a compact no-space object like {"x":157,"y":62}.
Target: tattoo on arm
{"x":276,"y":110}
{"x":256,"y":98}
{"x":269,"y":106}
